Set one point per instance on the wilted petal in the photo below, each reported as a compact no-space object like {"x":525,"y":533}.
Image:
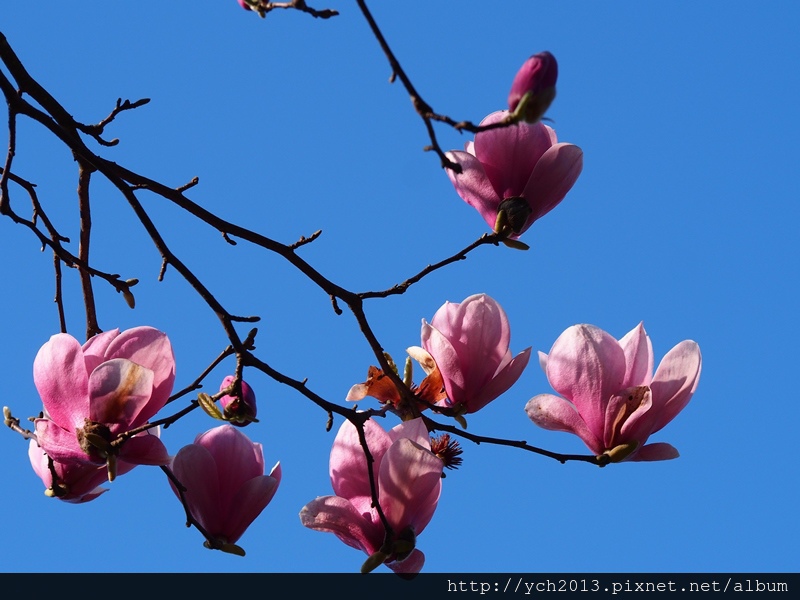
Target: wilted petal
{"x":378,"y":385}
{"x":150,"y":348}
{"x":556,"y":414}
{"x":118,"y":391}
{"x":423,"y":357}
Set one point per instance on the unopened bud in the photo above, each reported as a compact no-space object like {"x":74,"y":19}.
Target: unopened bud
{"x":240,"y":411}
{"x":534,"y":87}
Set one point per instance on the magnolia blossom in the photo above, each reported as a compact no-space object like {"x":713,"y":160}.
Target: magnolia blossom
{"x":520,"y":169}
{"x":469,"y":344}
{"x":536,"y":79}
{"x":239,"y":411}
{"x":226,"y":489}
{"x":408,"y":479}
{"x":611,"y":399}
{"x":74,"y":482}
{"x":112,"y":384}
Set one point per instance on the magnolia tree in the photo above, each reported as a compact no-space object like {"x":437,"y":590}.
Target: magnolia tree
{"x":108,"y":395}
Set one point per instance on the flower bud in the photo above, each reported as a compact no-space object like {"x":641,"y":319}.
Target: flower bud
{"x":534,"y":87}
{"x":239,"y":411}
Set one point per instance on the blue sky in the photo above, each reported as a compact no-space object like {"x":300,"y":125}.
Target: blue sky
{"x":685,"y":218}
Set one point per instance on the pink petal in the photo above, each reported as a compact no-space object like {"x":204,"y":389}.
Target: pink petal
{"x":556,"y":414}
{"x":195,"y":468}
{"x":551,"y":179}
{"x":82,"y":480}
{"x":469,"y":341}
{"x":509,"y":154}
{"x":348,"y":466}
{"x":229,"y":447}
{"x":60,"y":444}
{"x":587,"y":366}
{"x":118,"y":392}
{"x":501,"y":382}
{"x":60,"y":376}
{"x":414,"y":430}
{"x":473,"y":186}
{"x":336,"y":515}
{"x":447,"y":360}
{"x":145,"y":449}
{"x":150,"y":348}
{"x":675,"y":381}
{"x":639,"y":360}
{"x":657,"y":451}
{"x":410,"y":476}
{"x":248,"y":502}
{"x":412,"y":564}
{"x":94,"y":350}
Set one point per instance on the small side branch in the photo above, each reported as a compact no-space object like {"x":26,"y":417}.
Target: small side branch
{"x":400,"y":288}
{"x":432,"y":425}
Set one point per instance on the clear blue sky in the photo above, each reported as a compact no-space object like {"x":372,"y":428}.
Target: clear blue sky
{"x":685,"y":217}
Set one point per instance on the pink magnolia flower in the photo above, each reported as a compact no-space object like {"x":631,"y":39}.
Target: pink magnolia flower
{"x":611,"y":399}
{"x":226,"y":489}
{"x":244,"y":4}
{"x":536,"y":79}
{"x":74,"y":482}
{"x":112,"y":384}
{"x":469,"y":343}
{"x":520,"y":169}
{"x":408,"y":478}
{"x":239,"y":411}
